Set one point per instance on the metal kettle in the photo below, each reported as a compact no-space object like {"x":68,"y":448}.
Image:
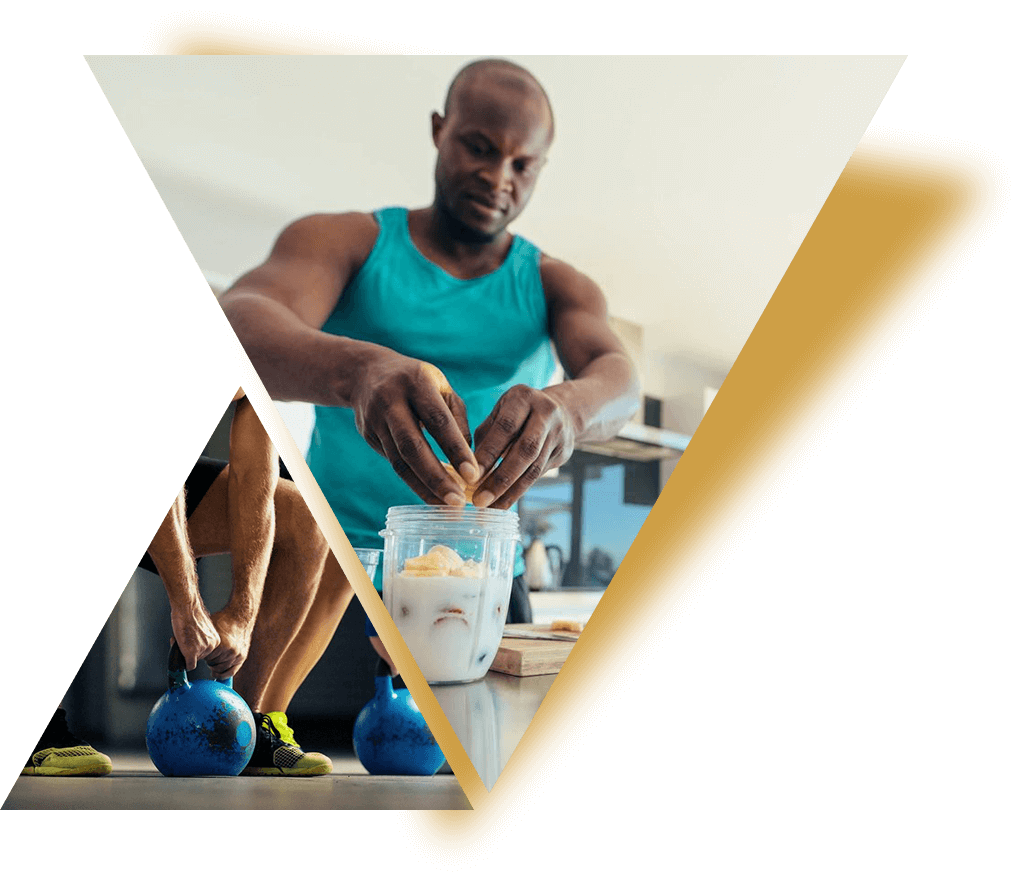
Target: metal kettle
{"x":544,"y":566}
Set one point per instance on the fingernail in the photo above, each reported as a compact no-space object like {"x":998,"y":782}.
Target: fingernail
{"x":454,"y":499}
{"x":483,"y":498}
{"x":468,"y":472}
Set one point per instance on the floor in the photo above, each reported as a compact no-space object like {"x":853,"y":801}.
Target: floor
{"x":136,"y":784}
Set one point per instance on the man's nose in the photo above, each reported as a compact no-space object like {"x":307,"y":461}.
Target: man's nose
{"x":498,"y":175}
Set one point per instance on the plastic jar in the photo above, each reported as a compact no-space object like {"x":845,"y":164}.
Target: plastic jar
{"x":369,"y":558}
{"x":449,"y":603}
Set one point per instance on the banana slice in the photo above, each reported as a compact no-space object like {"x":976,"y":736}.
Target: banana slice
{"x":439,"y":561}
{"x":566,"y":625}
{"x":445,"y":555}
{"x":467,"y":489}
{"x":430,"y":563}
{"x":442,"y":560}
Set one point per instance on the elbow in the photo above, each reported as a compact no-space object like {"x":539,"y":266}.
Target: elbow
{"x":631,"y":397}
{"x":619,"y":409}
{"x":235,"y":305}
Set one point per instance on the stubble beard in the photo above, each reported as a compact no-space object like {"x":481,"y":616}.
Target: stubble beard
{"x":461,"y":231}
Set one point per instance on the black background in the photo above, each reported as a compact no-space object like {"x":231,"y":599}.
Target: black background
{"x":823,"y":665}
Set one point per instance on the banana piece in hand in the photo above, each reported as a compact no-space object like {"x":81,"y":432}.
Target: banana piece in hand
{"x":467,"y":489}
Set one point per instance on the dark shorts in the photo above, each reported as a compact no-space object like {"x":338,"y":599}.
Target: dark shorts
{"x":203,"y":474}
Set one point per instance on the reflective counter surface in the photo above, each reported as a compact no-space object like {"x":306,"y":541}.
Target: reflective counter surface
{"x":491,"y":715}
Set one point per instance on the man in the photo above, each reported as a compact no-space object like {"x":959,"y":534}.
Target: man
{"x":287,"y":589}
{"x":287,"y":595}
{"x":425,"y":332}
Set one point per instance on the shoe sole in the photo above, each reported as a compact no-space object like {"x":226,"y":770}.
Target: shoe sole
{"x":314,"y":771}
{"x":95,"y":770}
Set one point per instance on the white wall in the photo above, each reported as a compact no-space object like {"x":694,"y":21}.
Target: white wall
{"x":682,"y":185}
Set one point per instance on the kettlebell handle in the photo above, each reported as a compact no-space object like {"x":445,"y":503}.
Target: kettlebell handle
{"x":177,"y":673}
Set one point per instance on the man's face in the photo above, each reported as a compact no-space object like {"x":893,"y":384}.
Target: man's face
{"x":490,"y":149}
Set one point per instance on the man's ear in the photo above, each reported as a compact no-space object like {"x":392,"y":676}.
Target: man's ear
{"x":437,"y":123}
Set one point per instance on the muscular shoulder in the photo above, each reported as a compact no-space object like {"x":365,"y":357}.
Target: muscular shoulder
{"x":337,"y":237}
{"x":309,"y":267}
{"x":567,"y":287}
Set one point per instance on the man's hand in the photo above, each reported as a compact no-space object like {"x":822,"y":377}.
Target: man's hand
{"x":194,"y":633}
{"x":533,"y":432}
{"x":235,"y":637}
{"x":396,"y":399}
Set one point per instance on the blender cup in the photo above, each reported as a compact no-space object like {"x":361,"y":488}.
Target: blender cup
{"x":446,"y":583}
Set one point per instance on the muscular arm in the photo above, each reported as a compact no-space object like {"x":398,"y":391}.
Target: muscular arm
{"x":278,"y":311}
{"x":536,"y":430}
{"x":601,"y":390}
{"x":171,"y":552}
{"x":278,"y":308}
{"x":251,"y":481}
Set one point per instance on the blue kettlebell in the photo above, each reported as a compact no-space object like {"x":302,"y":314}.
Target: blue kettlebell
{"x":200,"y":728}
{"x":391,"y":736}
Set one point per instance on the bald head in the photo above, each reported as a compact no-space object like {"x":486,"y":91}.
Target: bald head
{"x":496,"y":73}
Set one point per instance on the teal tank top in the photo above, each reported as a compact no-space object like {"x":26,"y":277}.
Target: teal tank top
{"x":486,"y":335}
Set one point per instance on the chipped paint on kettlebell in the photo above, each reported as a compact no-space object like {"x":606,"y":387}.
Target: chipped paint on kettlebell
{"x":201,"y":728}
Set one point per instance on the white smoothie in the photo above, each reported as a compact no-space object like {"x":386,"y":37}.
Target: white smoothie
{"x":451,"y":622}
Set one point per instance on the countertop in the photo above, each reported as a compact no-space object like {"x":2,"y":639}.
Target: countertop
{"x":491,"y":715}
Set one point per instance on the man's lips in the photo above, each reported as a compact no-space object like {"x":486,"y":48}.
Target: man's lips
{"x":488,"y":204}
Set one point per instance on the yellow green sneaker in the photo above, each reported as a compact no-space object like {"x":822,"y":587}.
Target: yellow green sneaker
{"x":278,"y":754}
{"x":60,"y":754}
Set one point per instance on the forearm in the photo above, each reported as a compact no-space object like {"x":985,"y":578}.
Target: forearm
{"x":601,"y":397}
{"x":172,"y":556}
{"x":295,"y":361}
{"x":394,"y":398}
{"x":252,"y":481}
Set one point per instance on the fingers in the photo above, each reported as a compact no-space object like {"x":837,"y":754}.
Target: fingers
{"x":417,"y":466}
{"x":499,"y":430}
{"x":195,"y":636}
{"x":443,"y":415}
{"x":396,"y":418}
{"x":523,"y":463}
{"x":227,"y":658}
{"x":223,"y":652}
{"x":461,"y":416}
{"x":525,"y":434}
{"x":194,"y":652}
{"x":224,"y":663}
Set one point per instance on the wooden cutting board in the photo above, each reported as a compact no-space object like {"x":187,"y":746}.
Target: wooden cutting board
{"x":531,"y":658}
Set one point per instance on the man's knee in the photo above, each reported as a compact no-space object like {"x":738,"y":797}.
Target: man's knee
{"x":295,"y":530}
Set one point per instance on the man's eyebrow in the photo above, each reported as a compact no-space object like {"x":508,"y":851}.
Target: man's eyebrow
{"x":476,"y":133}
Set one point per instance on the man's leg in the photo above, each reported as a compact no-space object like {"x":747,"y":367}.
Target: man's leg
{"x":292,"y":580}
{"x":333,"y":596}
{"x":289,"y":592}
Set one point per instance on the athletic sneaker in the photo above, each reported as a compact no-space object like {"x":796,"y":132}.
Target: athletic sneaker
{"x":277,"y":752}
{"x":61,"y":754}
